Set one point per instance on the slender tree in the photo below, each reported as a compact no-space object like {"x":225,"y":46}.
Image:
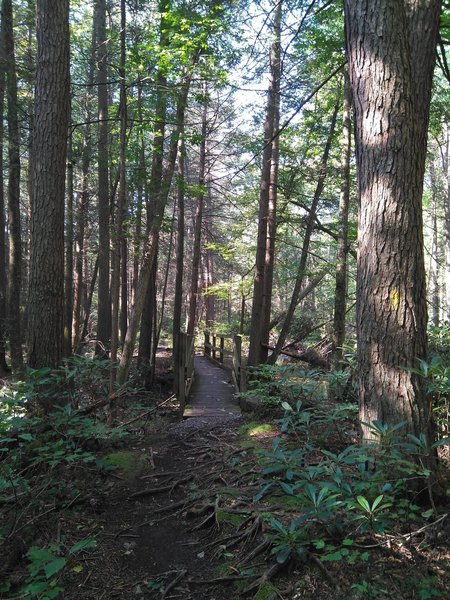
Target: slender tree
{"x":262,"y":282}
{"x":104,"y":304}
{"x":340,"y":293}
{"x":198,"y":223}
{"x":14,"y":225}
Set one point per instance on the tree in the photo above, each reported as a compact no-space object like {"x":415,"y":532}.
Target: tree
{"x":46,"y":287}
{"x":391,"y":52}
{"x":265,"y":246}
{"x":15,"y":237}
{"x":104,"y":306}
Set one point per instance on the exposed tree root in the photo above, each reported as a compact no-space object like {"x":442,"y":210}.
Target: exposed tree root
{"x":163,"y":488}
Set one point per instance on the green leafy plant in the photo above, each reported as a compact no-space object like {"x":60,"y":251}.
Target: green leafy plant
{"x":45,"y":566}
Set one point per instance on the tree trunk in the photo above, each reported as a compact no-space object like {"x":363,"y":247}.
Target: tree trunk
{"x":104,"y":304}
{"x":3,"y":278}
{"x":340,"y":293}
{"x":434,"y":260}
{"x":121,"y":200}
{"x":68,"y":285}
{"x":46,"y":289}
{"x":262,"y":292}
{"x":15,"y":236}
{"x":178,"y":298}
{"x":446,"y":168}
{"x":391,"y":52}
{"x":147,"y":332}
{"x":193,"y":294}
{"x":152,"y":237}
{"x":306,"y":241}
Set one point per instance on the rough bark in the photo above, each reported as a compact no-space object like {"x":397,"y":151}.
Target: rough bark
{"x":3,"y":277}
{"x":340,"y":293}
{"x":104,"y":304}
{"x":46,"y":287}
{"x":261,"y":300}
{"x":391,"y":51}
{"x":15,"y":236}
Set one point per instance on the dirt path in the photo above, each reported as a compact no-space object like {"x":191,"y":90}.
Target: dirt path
{"x":151,"y":536}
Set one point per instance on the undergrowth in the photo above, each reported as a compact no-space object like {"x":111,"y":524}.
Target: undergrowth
{"x":43,"y":455}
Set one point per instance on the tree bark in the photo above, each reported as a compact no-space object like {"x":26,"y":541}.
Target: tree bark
{"x":121,"y":200}
{"x":15,"y":235}
{"x":147,"y":331}
{"x":391,"y":52}
{"x":193,"y":293}
{"x":446,"y":169}
{"x":178,"y":297}
{"x":3,"y":277}
{"x":104,"y":304}
{"x":261,"y":293}
{"x":340,"y":293}
{"x":68,"y":276}
{"x":46,"y":288}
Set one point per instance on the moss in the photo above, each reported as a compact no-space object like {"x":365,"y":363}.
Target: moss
{"x":131,"y":464}
{"x":254,"y":429}
{"x":266,"y":592}
{"x":224,"y":517}
{"x":284,"y":501}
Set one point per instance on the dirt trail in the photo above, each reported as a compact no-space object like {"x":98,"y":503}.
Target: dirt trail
{"x":151,"y":542}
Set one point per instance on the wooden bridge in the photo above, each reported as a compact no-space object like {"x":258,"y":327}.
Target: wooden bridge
{"x":207,"y":382}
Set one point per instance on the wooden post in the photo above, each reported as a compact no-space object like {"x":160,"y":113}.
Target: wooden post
{"x":207,"y":348}
{"x":222,"y":345}
{"x":182,"y":372}
{"x":214,"y":346}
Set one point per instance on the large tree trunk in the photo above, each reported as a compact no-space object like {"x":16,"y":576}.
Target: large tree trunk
{"x":262,"y":291}
{"x":391,"y":52}
{"x":104,"y":304}
{"x":46,"y":290}
{"x":340,"y":294}
{"x":15,"y":236}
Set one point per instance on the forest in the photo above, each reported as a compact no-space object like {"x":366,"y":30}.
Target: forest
{"x":263,"y":184}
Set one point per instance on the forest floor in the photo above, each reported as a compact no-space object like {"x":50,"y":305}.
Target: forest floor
{"x":179,"y":517}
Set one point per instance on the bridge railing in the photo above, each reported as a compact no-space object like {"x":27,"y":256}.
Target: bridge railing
{"x":226,"y":351}
{"x":185,"y":367}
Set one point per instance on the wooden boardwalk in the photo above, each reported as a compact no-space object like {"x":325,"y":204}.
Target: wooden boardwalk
{"x":212,"y":392}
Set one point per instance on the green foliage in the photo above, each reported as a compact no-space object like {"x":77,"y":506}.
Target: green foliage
{"x":41,"y":456}
{"x":45,"y":566}
{"x":338,"y":496}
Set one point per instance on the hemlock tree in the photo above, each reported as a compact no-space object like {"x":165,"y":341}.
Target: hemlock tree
{"x":391,"y":51}
{"x":46,"y":287}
